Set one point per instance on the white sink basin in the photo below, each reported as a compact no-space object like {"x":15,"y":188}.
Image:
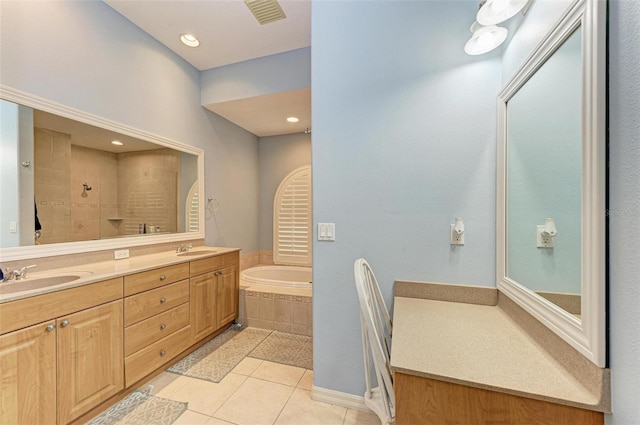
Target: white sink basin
{"x":30,"y":284}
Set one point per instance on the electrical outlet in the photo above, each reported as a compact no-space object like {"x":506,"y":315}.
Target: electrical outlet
{"x":120,"y":254}
{"x":543,"y":241}
{"x":456,"y":239}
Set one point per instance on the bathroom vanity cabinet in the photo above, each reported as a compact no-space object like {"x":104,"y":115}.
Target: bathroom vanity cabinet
{"x":68,"y":359}
{"x":423,"y":400}
{"x":68,"y":354}
{"x":214,"y":293}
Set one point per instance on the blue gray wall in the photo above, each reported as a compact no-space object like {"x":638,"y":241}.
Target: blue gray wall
{"x":403,"y":142}
{"x":624,"y":211}
{"x":278,"y":156}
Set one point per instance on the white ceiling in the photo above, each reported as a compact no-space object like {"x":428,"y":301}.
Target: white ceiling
{"x":229,"y":33}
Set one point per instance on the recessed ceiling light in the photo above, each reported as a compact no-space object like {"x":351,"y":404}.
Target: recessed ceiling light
{"x":189,"y":40}
{"x":117,"y":142}
{"x":293,"y":119}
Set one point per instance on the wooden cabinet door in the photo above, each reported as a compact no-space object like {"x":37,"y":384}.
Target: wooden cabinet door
{"x":203,"y":305}
{"x":90,"y":359}
{"x":28,"y":375}
{"x":227,"y":281}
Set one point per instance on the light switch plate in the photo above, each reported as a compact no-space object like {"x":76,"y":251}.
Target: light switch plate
{"x":326,"y":231}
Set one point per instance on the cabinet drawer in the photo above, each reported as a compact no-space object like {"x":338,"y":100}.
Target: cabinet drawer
{"x":155,"y":328}
{"x":214,"y":263}
{"x":140,"y":282}
{"x":142,"y":306}
{"x":145,"y":361}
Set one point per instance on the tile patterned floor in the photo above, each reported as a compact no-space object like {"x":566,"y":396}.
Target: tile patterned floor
{"x":255,"y":392}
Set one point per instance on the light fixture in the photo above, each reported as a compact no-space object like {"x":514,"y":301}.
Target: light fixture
{"x":293,"y":119}
{"x":117,"y":142}
{"x":495,"y":11}
{"x":189,"y":40}
{"x":484,"y":38}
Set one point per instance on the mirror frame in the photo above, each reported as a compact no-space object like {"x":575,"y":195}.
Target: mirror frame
{"x":587,"y":334}
{"x":55,"y":249}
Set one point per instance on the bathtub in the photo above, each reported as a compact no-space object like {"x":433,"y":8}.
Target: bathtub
{"x":287,"y":276}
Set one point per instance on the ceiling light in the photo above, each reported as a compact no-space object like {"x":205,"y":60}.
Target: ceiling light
{"x":496,"y":11}
{"x":189,"y":40}
{"x":484,"y":39}
{"x":293,"y":119}
{"x":117,"y":142}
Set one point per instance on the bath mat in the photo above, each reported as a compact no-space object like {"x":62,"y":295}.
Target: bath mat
{"x":140,"y":408}
{"x":285,"y":348}
{"x":214,"y":360}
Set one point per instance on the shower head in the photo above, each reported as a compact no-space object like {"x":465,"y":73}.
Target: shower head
{"x":86,"y":187}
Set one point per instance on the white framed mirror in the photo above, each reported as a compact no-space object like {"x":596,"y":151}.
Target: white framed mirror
{"x":551,"y":177}
{"x":91,"y":197}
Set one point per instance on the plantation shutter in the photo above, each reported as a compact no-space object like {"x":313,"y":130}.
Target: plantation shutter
{"x":292,"y":219}
{"x":192,"y":222}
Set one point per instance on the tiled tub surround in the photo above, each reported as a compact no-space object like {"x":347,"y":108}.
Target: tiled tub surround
{"x":276,"y":308}
{"x":273,"y":307}
{"x":479,"y":338}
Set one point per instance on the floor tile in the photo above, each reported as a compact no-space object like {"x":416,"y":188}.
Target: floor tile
{"x":306,"y":382}
{"x":356,"y":417}
{"x":216,"y":421}
{"x":301,"y":409}
{"x":161,"y":382}
{"x":189,"y":417}
{"x":247,"y":366}
{"x":256,"y":402}
{"x":173,"y":386}
{"x":207,"y":397}
{"x":280,"y":373}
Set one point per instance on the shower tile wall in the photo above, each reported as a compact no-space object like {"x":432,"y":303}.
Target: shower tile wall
{"x":148,"y":184}
{"x":126,"y":189}
{"x":52,"y":184}
{"x":91,"y":208}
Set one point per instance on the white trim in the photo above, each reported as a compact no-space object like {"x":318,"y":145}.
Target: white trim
{"x":587,"y":335}
{"x":338,"y":398}
{"x":39,"y":251}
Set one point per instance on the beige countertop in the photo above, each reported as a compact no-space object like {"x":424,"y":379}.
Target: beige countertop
{"x":479,"y":346}
{"x":94,"y":272}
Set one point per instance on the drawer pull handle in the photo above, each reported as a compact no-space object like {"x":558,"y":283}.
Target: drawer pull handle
{"x":162,"y":353}
{"x":49,"y":328}
{"x":162,"y":326}
{"x":163,"y":277}
{"x":163,"y":300}
{"x":64,"y":324}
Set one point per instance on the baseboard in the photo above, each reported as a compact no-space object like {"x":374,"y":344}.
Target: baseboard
{"x":339,"y":398}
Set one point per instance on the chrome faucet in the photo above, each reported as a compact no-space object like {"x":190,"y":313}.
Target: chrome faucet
{"x":17,"y":274}
{"x":183,"y":248}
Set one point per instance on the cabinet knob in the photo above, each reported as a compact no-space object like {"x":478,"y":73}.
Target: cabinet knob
{"x":49,"y":328}
{"x":162,"y":326}
{"x":162,"y":353}
{"x":163,"y":300}
{"x":64,"y":324}
{"x":217,"y":273}
{"x":163,"y":277}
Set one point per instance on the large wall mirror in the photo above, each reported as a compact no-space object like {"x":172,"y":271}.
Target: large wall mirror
{"x":551,"y":181}
{"x":73,"y":182}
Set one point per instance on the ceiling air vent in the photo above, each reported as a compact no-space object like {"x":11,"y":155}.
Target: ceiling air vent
{"x":265,"y":11}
